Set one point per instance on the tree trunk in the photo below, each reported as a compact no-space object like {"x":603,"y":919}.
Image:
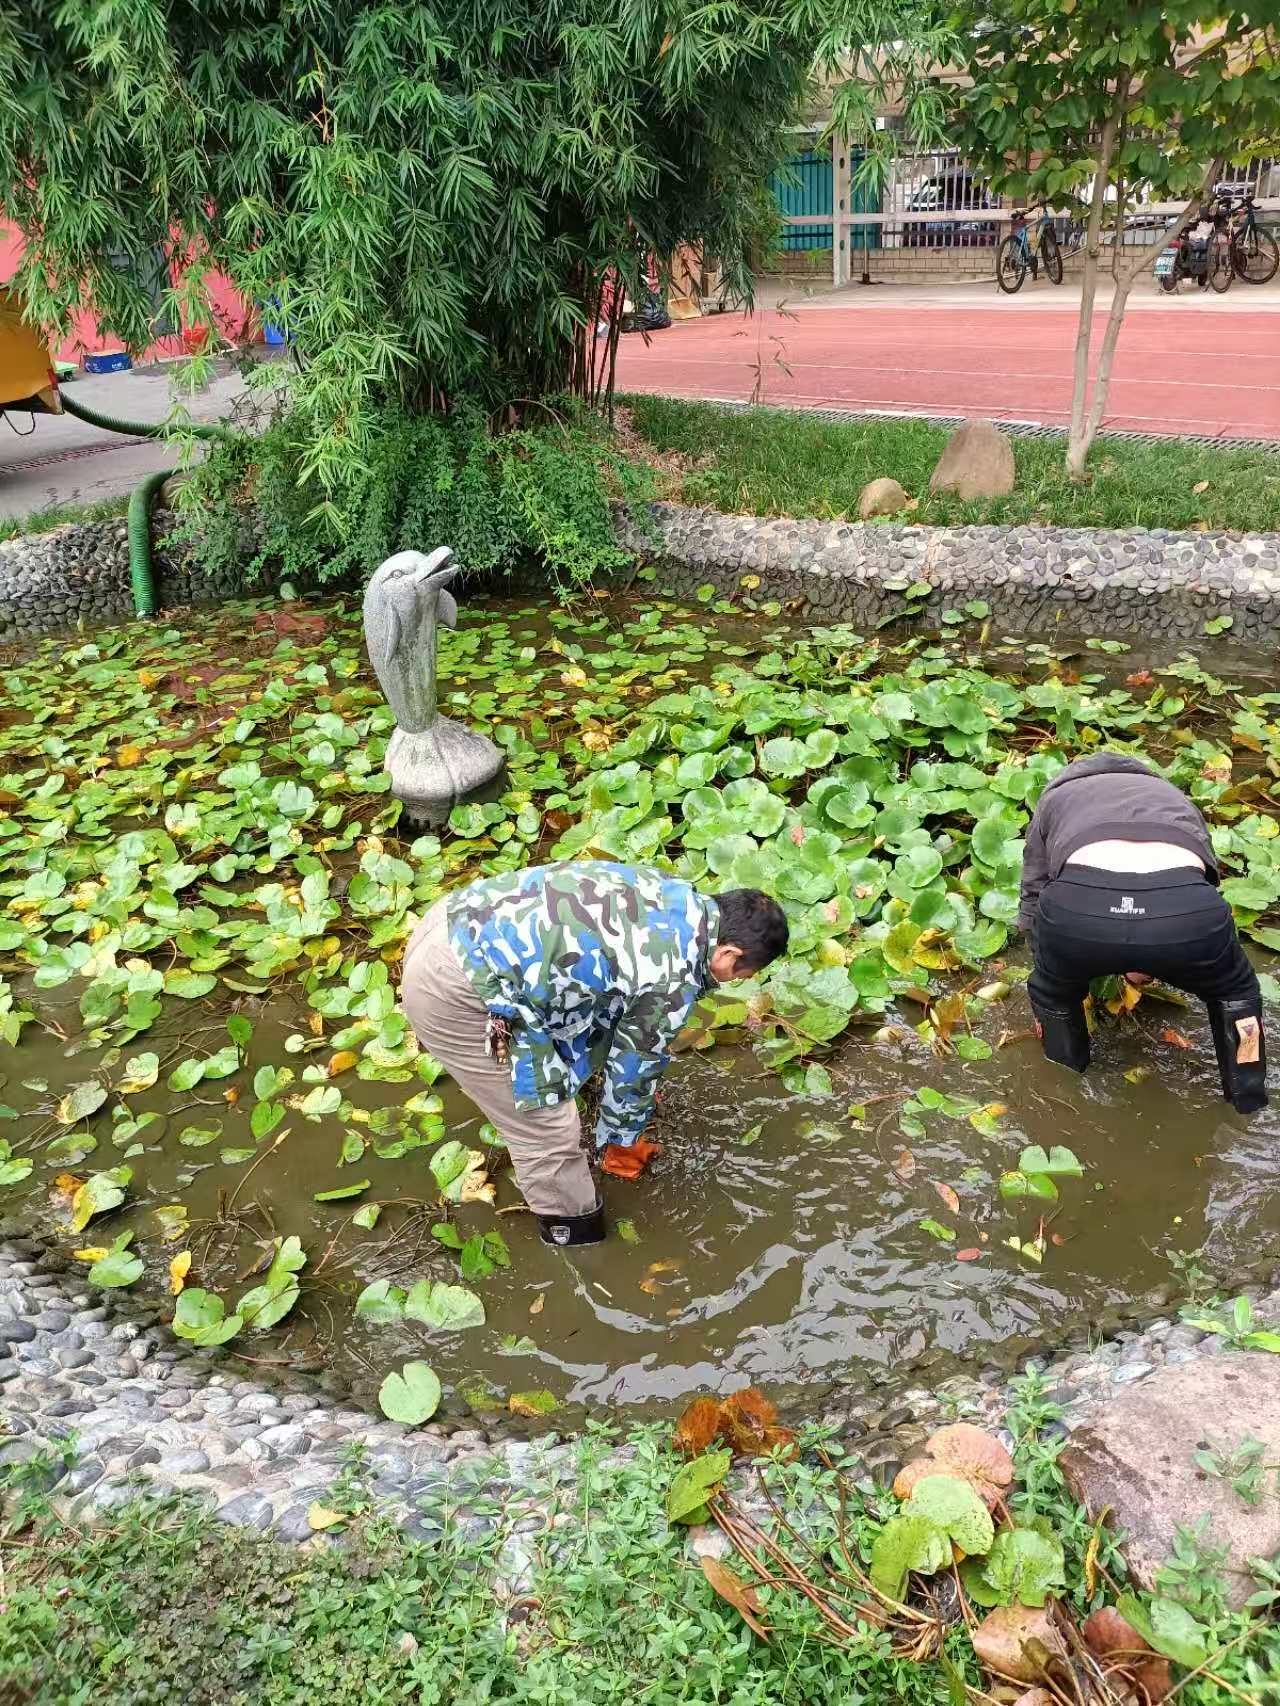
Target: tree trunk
{"x":1089,"y":284}
{"x":1125,"y":282}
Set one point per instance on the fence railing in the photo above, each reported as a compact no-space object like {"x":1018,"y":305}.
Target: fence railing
{"x":936,"y":202}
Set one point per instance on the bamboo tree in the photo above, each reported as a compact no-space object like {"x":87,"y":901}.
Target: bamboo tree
{"x":439,"y":203}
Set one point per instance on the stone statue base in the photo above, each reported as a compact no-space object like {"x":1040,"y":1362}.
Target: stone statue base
{"x":436,"y":770}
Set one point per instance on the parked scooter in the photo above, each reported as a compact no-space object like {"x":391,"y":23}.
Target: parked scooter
{"x":1202,"y":253}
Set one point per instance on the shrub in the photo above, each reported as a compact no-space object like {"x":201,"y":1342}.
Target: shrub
{"x":542,"y":491}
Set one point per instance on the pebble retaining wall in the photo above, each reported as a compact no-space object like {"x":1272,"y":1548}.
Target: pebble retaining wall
{"x":80,"y":574}
{"x":149,"y":1412}
{"x":1157,"y":584}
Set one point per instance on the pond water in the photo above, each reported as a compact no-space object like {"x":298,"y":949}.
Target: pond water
{"x":804,"y":1233}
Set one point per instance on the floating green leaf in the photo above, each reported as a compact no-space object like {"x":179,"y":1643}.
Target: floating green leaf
{"x":98,"y":1193}
{"x":80,"y":1102}
{"x":447,"y":1307}
{"x":201,"y":1317}
{"x":342,"y":1192}
{"x":411,"y":1396}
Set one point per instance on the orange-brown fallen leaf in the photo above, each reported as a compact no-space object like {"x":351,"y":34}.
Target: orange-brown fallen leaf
{"x":967,"y":1255}
{"x":1139,"y":678}
{"x":905,"y":1165}
{"x":1169,"y":1035}
{"x":745,"y":1421}
{"x":179,"y":1268}
{"x":948,"y":1196}
{"x":966,"y":1452}
{"x":538,"y":1304}
{"x":1009,"y":1641}
{"x":741,"y":1595}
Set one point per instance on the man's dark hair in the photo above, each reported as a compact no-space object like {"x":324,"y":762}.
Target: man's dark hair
{"x":754,"y":922}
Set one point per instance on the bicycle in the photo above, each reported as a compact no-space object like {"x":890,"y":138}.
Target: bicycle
{"x":1014,"y":258}
{"x":1255,"y":254}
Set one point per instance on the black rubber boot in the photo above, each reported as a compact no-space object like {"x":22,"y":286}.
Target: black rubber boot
{"x":568,"y":1230}
{"x":1244,"y":1082}
{"x":1064,"y":1035}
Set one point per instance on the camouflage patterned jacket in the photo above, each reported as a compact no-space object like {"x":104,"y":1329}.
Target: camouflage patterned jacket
{"x":587,"y":960}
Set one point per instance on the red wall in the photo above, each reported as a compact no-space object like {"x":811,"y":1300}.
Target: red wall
{"x":230,"y":311}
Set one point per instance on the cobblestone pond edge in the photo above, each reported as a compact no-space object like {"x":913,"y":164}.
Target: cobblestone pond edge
{"x":1152,"y":583}
{"x":147,"y":1412}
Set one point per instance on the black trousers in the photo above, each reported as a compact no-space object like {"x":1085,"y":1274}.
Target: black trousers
{"x":1174,"y":925}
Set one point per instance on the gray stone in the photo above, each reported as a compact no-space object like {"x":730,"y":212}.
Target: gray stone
{"x":53,"y":1320}
{"x":976,"y":463}
{"x":433,"y":762}
{"x":15,"y":1332}
{"x":294,"y":1526}
{"x":82,"y":1477}
{"x":881,"y":497}
{"x":286,"y":1437}
{"x":249,"y":1510}
{"x":1137,"y":1455}
{"x":1132,"y":1371}
{"x":184,"y":1463}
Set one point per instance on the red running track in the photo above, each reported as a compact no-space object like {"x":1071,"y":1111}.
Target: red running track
{"x":1175,"y":372}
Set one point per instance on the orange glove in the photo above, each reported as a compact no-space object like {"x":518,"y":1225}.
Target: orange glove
{"x":628,"y":1161}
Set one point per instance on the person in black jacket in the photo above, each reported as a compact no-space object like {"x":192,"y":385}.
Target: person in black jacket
{"x":1119,"y":876}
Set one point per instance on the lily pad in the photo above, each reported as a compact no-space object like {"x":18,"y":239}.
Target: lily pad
{"x":411,"y":1395}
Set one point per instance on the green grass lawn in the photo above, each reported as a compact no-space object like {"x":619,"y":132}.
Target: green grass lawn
{"x":779,"y":462}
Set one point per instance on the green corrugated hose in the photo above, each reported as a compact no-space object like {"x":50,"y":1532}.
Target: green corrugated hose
{"x":141,"y":566}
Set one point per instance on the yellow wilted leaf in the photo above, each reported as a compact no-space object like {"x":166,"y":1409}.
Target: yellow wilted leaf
{"x":94,"y":1253}
{"x":343,"y":1061}
{"x":651,"y":1286}
{"x":668,"y":1265}
{"x":315,"y":1023}
{"x":128,"y":756}
{"x":148,"y":677}
{"x":539,"y":1302}
{"x":179,"y":1268}
{"x":66,"y":1185}
{"x":476,"y":1188}
{"x":320,"y":1517}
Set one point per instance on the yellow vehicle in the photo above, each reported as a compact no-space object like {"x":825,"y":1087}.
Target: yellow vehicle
{"x":27,"y":377}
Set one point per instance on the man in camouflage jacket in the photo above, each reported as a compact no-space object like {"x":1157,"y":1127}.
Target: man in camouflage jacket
{"x":525,"y":984}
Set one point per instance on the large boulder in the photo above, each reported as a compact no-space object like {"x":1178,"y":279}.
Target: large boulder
{"x":1137,"y":1456}
{"x":977,"y":463}
{"x":881,"y":497}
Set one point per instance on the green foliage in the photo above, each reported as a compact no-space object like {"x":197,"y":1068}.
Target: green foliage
{"x":501,"y":498}
{"x":1240,"y":1328}
{"x":1190,"y":88}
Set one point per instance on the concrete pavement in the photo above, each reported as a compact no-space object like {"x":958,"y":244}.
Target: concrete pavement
{"x":50,"y":460}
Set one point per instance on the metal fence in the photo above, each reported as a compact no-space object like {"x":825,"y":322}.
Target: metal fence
{"x":937,"y":202}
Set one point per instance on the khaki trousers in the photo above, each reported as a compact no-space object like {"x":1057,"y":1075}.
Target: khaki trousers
{"x":449,"y":1019}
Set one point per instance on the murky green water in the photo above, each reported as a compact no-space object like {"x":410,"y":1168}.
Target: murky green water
{"x":779,"y":1241}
